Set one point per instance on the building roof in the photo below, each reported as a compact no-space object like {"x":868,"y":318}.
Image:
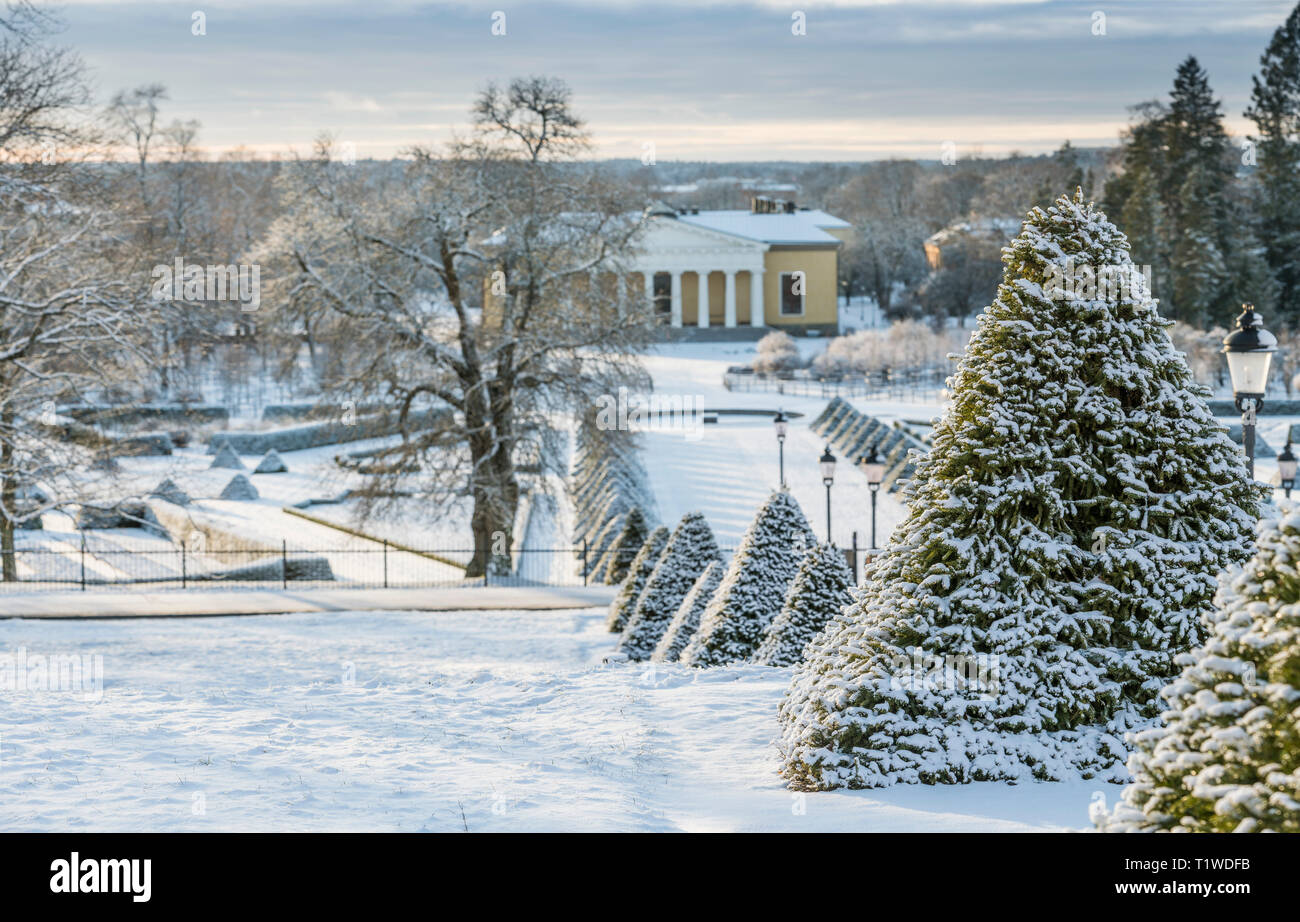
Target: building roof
{"x":799,"y":227}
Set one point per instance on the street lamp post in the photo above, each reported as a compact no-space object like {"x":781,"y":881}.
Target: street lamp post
{"x":1286,"y":465}
{"x":828,"y":477}
{"x":782,"y":424}
{"x":1249,"y":350}
{"x":874,"y":468}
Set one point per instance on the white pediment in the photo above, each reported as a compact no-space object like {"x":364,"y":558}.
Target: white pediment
{"x":667,"y":244}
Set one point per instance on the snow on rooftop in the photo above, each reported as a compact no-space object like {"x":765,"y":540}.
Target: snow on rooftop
{"x":796,"y":227}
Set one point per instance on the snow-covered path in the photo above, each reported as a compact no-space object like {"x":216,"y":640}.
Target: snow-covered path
{"x":482,"y":720}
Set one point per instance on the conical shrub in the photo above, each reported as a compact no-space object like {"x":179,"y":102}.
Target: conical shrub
{"x":753,"y":589}
{"x":686,"y":621}
{"x":1227,"y":756}
{"x":689,"y":551}
{"x":821,"y":589}
{"x":1061,"y":547}
{"x":624,"y":604}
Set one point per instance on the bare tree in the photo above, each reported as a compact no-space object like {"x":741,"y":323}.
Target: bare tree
{"x":135,"y":114}
{"x":484,"y":281}
{"x":61,"y":307}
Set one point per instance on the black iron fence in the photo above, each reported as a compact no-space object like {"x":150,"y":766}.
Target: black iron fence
{"x":922,"y":387}
{"x":86,"y":566}
{"x":83,"y":566}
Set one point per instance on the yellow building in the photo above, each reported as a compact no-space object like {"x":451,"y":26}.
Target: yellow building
{"x":773,"y":265}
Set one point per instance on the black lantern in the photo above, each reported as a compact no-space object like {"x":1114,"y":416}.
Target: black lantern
{"x":1249,"y":350}
{"x":1286,"y":465}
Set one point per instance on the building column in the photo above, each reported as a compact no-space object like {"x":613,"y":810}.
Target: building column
{"x":731,"y":298}
{"x":702,"y":299}
{"x":649,"y":277}
{"x":756,"y":298}
{"x":677,"y":298}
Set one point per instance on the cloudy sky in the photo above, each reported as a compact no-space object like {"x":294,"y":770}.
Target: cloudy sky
{"x":698,"y":79}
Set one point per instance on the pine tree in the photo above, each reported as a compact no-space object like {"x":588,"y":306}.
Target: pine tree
{"x":623,"y":551}
{"x":687,"y":619}
{"x":624,"y":604}
{"x":1200,"y":272}
{"x":754,"y":586}
{"x":689,"y":552}
{"x":1227,"y":758}
{"x":1061,"y":546}
{"x":822,"y":587}
{"x":1275,"y":110}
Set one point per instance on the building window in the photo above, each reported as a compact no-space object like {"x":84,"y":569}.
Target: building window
{"x":794,"y":286}
{"x":663,"y":287}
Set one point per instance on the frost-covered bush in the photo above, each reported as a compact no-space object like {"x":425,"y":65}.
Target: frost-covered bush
{"x":753,"y":589}
{"x":777,"y":352}
{"x":624,"y":604}
{"x":689,"y":552}
{"x":1061,"y":547}
{"x":686,"y":621}
{"x":821,"y":588}
{"x":1227,"y":756}
{"x":624,"y":549}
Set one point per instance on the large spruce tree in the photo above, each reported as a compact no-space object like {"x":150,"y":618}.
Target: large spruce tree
{"x":1227,"y":757}
{"x":1275,"y":110}
{"x":1061,"y":545}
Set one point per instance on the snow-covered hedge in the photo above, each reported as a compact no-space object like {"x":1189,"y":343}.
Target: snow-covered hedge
{"x":314,"y":435}
{"x":1226,"y":757}
{"x":1061,"y":547}
{"x":624,"y":604}
{"x":689,"y":552}
{"x":751,"y":593}
{"x":821,"y":589}
{"x":607,"y":482}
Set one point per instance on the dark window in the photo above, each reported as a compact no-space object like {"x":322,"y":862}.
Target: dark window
{"x":663,"y":295}
{"x":794,"y":285}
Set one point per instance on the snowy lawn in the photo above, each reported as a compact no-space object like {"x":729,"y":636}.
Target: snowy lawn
{"x":491,"y":721}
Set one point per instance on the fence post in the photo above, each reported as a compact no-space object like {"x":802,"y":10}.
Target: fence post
{"x":584,"y":561}
{"x":184,"y":579}
{"x":284,"y":564}
{"x":855,"y":558}
{"x":83,"y":563}
{"x":385,"y":564}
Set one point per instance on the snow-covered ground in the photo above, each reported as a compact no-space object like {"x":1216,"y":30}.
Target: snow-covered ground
{"x":487,"y":721}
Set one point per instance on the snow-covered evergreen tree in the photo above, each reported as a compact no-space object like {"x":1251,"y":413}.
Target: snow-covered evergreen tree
{"x":689,"y":552}
{"x":624,"y":549}
{"x":687,"y":619}
{"x":821,"y":588}
{"x":1061,"y":546}
{"x":1227,"y":757}
{"x":753,"y":589}
{"x":624,"y":604}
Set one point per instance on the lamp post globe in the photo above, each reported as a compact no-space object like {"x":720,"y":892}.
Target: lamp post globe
{"x":1249,"y":350}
